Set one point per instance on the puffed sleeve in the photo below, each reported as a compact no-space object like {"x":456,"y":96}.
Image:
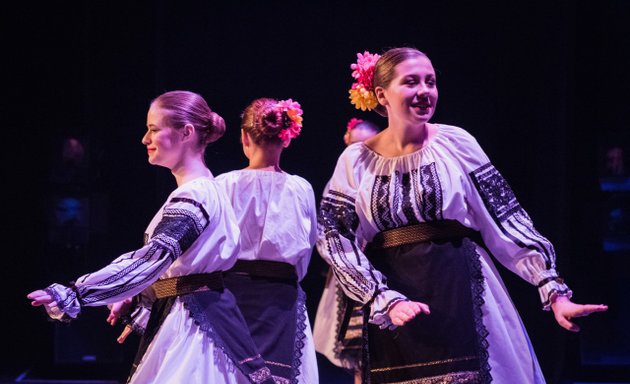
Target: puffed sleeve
{"x":310,"y":212}
{"x":506,"y":228}
{"x":339,"y":244}
{"x":185,"y":215}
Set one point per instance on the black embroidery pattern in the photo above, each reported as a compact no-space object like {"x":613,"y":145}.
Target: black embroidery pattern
{"x":408,"y":181}
{"x":92,"y":295}
{"x":177,"y":230}
{"x":194,"y":203}
{"x":173,"y":235}
{"x":507,"y":213}
{"x":431,"y":201}
{"x":337,"y":219}
{"x":379,"y":203}
{"x":423,"y":184}
{"x":300,"y":335}
{"x":396,"y":200}
{"x":337,"y":215}
{"x":477,"y":291}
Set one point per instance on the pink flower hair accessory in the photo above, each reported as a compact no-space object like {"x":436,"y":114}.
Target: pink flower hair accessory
{"x":353,"y":123}
{"x":294,"y":112}
{"x":362,"y":91}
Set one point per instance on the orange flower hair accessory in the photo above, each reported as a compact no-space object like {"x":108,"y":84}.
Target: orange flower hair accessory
{"x":362,"y":91}
{"x":353,"y":123}
{"x":294,"y":112}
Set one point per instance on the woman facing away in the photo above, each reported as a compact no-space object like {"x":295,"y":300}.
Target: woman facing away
{"x":278,"y":220}
{"x":410,"y":225}
{"x":192,"y":329}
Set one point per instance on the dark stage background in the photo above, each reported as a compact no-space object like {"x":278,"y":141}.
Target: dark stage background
{"x":542,"y":85}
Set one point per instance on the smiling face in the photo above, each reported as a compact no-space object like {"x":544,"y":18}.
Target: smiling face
{"x":162,"y":141}
{"x":412,"y":94}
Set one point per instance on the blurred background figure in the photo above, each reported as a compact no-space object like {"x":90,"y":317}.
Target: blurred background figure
{"x":614,"y":161}
{"x":359,"y":130}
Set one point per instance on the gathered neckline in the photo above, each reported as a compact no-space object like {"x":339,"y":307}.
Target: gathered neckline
{"x":419,"y":150}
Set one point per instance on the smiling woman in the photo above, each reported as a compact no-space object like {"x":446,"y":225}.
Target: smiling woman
{"x":171,"y":289}
{"x":410,"y":225}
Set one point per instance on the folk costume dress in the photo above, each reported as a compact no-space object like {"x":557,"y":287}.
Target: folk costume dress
{"x":192,"y":329}
{"x":277,"y":216}
{"x":425,"y":227}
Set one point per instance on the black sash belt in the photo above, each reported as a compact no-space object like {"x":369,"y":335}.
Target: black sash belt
{"x":265,"y":268}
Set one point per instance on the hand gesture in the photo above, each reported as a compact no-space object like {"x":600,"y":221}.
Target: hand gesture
{"x":116,"y":311}
{"x":40,"y":297}
{"x":564,"y":310}
{"x":404,"y":311}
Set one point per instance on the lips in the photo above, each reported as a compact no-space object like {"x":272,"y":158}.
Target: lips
{"x":423,"y":104}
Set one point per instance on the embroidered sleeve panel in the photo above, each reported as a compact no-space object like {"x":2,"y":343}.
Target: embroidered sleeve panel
{"x":337,"y":224}
{"x":506,"y":227}
{"x":182,"y":222}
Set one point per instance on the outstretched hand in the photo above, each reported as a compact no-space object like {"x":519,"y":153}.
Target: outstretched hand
{"x":39,"y":297}
{"x":404,"y":311}
{"x":564,"y":310}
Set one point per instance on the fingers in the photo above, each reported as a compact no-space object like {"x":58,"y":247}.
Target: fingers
{"x":123,"y":336}
{"x":565,"y":322}
{"x":112,"y":318}
{"x":568,"y":325}
{"x":406,"y":311}
{"x":39,"y":297}
{"x":587,"y":309}
{"x":424,"y":308}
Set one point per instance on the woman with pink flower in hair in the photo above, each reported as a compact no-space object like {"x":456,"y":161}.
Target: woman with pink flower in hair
{"x":277,"y":216}
{"x":411,"y":224}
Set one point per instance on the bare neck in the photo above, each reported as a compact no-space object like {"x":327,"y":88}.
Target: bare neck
{"x":265,"y":158}
{"x":189,"y":170}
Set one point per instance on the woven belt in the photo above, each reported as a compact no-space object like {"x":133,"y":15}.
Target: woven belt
{"x":428,"y":231}
{"x":182,"y":285}
{"x":265,"y":268}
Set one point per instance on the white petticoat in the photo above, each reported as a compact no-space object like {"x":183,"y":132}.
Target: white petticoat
{"x":182,"y":353}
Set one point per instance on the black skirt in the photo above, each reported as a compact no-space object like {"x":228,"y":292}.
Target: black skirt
{"x":273,"y":305}
{"x":448,"y":345}
{"x":216,"y":313}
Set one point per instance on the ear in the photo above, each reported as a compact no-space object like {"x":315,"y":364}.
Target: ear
{"x":380,"y":95}
{"x":245,"y":138}
{"x":188,"y":131}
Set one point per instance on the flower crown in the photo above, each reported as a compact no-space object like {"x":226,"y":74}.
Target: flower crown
{"x":362,"y":91}
{"x":353,"y":123}
{"x":294,"y":112}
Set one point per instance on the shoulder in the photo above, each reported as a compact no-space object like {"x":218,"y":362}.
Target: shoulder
{"x":202,"y":194}
{"x":300,"y":182}
{"x":457,"y":135}
{"x":461,"y":145}
{"x":201,"y":189}
{"x":354,"y":154}
{"x":227,"y":176}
